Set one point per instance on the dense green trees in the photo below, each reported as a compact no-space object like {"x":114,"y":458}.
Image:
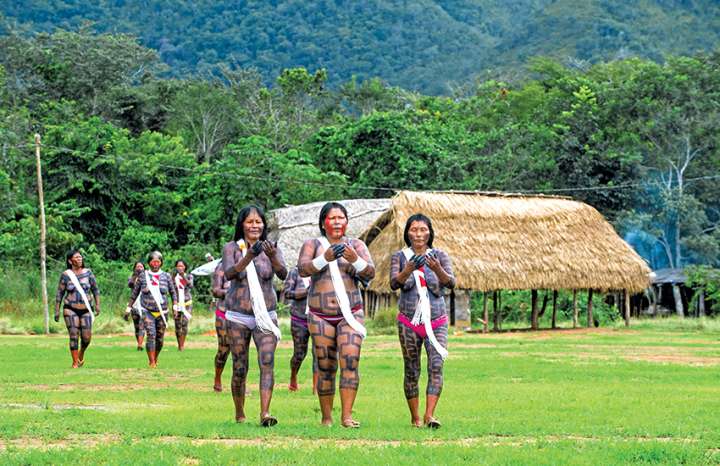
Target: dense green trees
{"x":136,"y":161}
{"x":429,"y":46}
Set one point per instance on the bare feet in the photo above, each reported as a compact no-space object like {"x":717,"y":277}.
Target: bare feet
{"x":416,"y":422}
{"x":327,"y":422}
{"x":350,"y":423}
{"x":293,"y":386}
{"x":217,"y":387}
{"x":239,"y":419}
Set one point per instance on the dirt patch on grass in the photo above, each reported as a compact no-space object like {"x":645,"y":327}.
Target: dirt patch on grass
{"x":82,"y":441}
{"x":675,"y":359}
{"x":488,"y":440}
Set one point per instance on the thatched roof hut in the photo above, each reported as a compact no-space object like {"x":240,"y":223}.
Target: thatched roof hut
{"x":512,"y":242}
{"x":291,"y":226}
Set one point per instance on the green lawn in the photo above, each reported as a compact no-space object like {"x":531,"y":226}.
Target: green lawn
{"x":606,"y":396}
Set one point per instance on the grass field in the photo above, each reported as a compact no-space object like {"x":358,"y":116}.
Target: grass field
{"x":649,"y":395}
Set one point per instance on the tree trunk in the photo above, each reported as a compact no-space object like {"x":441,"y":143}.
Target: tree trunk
{"x":701,"y":303}
{"x":485,"y":312}
{"x":575,"y":309}
{"x":554,"y":314}
{"x":679,"y":308}
{"x":590,"y":309}
{"x":534,"y":310}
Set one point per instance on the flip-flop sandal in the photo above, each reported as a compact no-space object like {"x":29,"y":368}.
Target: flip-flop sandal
{"x":268,"y":421}
{"x":351,"y":424}
{"x":433,"y":424}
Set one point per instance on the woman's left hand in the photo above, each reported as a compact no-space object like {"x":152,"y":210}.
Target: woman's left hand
{"x":349,"y":253}
{"x":269,"y":248}
{"x":433,"y":262}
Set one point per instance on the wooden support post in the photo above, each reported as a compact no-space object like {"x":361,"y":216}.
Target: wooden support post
{"x":554,"y":314}
{"x":701,"y":303}
{"x":627,"y":308}
{"x":575,"y":309}
{"x":43,"y":253}
{"x":500,"y":315}
{"x":534,"y":310}
{"x":590,"y":309}
{"x":496,"y":327}
{"x":679,"y":307}
{"x":485,"y":312}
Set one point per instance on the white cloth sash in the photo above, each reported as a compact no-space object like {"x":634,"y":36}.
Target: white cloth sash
{"x":81,"y":290}
{"x":155,"y":292}
{"x":306,"y":281}
{"x":262,"y":318}
{"x":181,"y":296}
{"x":422,"y":310}
{"x":341,"y":292}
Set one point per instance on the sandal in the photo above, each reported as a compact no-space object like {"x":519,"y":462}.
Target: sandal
{"x":433,"y":423}
{"x":268,"y":421}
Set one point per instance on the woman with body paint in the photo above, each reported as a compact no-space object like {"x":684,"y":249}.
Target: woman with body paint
{"x":184,"y":282}
{"x":76,"y":283}
{"x":154,"y":286}
{"x":336,"y":264}
{"x":421,"y":272}
{"x":136,"y":312}
{"x":250,"y":261}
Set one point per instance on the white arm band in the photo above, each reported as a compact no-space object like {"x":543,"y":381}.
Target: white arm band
{"x":319,"y":262}
{"x":360,"y":264}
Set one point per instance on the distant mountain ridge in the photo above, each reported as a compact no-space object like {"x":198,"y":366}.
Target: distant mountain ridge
{"x":423,"y":45}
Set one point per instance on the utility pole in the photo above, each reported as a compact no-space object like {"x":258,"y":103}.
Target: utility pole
{"x":43,"y":253}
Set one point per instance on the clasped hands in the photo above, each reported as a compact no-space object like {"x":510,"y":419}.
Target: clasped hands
{"x":339,"y":250}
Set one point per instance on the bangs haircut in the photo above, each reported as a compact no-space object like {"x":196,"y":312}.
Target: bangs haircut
{"x":326,"y":210}
{"x":245,"y":213}
{"x":419,"y":218}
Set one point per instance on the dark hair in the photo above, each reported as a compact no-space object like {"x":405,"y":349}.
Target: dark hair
{"x":245,"y":213}
{"x":419,"y":218}
{"x":155,"y":254}
{"x":71,"y":253}
{"x":326,"y":210}
{"x":183,"y":262}
{"x":136,"y":263}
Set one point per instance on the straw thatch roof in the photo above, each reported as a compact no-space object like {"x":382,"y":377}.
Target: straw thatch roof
{"x":291,"y":226}
{"x":512,"y":242}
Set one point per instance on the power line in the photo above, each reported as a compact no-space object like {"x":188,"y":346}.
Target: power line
{"x":290,"y":181}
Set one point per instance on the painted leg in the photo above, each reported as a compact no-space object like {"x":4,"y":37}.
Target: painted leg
{"x":323,"y":335}
{"x":349,"y":343}
{"x":266,"y":343}
{"x":239,"y":337}
{"x":411,"y":346}
{"x":435,"y":376}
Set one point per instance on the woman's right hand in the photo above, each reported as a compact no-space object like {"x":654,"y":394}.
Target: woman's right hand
{"x":329,"y":254}
{"x":57,"y":316}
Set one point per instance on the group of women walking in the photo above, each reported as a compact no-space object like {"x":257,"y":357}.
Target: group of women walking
{"x":326,"y":309}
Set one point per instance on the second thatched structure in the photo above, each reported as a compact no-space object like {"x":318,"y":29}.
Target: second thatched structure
{"x":510,"y":242}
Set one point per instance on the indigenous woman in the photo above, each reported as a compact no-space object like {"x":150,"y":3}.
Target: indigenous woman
{"x":250,"y":261}
{"x":153,"y":286}
{"x":136,"y":311}
{"x":421,"y":272}
{"x":336,"y":264}
{"x":295,"y":290}
{"x":72,"y":293}
{"x":183,"y":283}
{"x":219,"y":290}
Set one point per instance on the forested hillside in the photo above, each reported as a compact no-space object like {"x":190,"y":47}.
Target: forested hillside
{"x":430,"y":46}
